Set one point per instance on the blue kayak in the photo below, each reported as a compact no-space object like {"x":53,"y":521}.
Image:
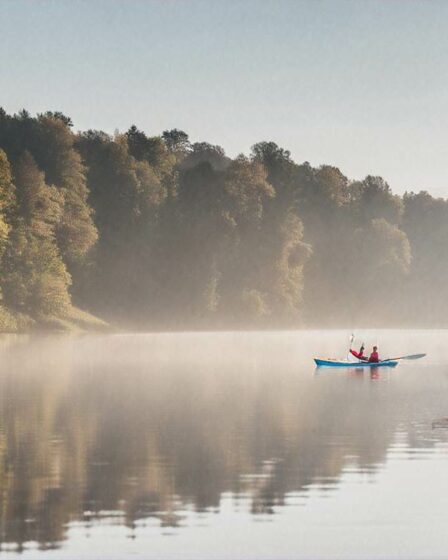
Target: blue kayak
{"x":340,"y":363}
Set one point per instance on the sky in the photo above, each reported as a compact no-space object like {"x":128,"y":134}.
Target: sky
{"x":361,"y":84}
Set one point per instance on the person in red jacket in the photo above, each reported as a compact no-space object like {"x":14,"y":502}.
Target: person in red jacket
{"x":374,"y":357}
{"x":360,"y":354}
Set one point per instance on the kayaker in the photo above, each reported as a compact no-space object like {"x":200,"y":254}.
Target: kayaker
{"x":360,"y":354}
{"x":374,"y":357}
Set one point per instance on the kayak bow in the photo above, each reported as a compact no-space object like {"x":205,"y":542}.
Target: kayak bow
{"x":341,"y":363}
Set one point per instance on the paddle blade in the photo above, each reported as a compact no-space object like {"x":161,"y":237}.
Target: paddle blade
{"x":414,"y":357}
{"x":411,"y":357}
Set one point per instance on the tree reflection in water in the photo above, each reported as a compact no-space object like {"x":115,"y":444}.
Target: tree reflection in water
{"x":87,"y":433}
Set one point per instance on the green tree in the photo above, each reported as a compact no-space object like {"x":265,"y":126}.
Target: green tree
{"x":203,"y":152}
{"x":35,"y":278}
{"x":50,"y":141}
{"x":41,"y":206}
{"x":177,"y":141}
{"x":372,"y":199}
{"x":280,"y":168}
{"x":125,"y":194}
{"x":7,"y":199}
{"x":425,"y":222}
{"x":56,"y":155}
{"x":154,"y":150}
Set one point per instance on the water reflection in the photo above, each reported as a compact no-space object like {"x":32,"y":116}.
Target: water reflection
{"x":143,"y":430}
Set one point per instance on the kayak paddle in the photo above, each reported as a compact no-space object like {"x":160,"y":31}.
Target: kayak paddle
{"x":352,"y":338}
{"x":411,"y":357}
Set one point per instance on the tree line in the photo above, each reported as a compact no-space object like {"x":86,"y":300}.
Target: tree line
{"x":158,"y":232}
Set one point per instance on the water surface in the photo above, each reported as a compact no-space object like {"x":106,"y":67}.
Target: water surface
{"x":228,"y":445}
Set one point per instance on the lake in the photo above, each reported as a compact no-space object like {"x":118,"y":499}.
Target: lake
{"x":222,"y":446}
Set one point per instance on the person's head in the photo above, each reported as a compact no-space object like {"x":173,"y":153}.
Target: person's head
{"x":375,"y":348}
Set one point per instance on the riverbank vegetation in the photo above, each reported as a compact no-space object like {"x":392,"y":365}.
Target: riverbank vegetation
{"x":156,"y":232}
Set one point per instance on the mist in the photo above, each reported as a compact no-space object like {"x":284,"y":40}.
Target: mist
{"x":149,"y":435}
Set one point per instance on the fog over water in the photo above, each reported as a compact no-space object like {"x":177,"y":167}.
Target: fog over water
{"x":221,"y":445}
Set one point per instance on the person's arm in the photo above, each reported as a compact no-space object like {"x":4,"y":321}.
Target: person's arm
{"x":357,"y":355}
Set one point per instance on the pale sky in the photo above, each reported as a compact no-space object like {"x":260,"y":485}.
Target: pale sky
{"x":358,"y":84}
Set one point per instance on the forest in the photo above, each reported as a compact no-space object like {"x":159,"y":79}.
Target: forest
{"x":158,"y":233}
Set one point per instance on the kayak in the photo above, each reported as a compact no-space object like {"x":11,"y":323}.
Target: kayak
{"x":341,"y":363}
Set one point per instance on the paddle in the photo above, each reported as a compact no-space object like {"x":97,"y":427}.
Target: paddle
{"x":352,"y":338}
{"x":411,"y":357}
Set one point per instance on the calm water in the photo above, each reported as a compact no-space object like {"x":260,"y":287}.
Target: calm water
{"x":221,"y":446}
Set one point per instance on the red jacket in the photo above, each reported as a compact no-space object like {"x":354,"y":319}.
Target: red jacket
{"x":374,"y":357}
{"x":358,"y":355}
